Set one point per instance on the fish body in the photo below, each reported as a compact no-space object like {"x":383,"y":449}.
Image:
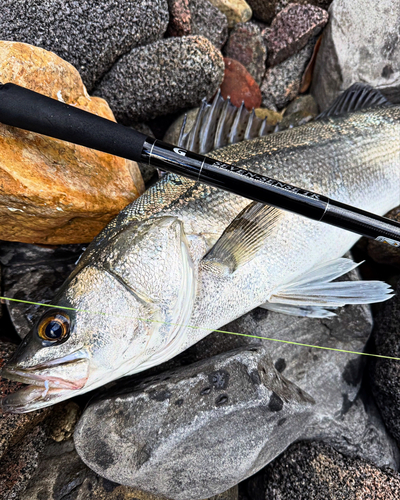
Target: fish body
{"x":179,"y":262}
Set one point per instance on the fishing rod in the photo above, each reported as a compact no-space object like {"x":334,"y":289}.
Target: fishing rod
{"x":29,"y":110}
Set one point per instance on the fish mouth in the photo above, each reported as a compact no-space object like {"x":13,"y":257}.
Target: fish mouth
{"x":47,"y":382}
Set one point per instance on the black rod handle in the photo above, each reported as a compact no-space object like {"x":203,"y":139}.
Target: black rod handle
{"x":29,"y":110}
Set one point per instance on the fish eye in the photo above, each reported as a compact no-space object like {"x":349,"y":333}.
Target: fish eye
{"x":54,"y":327}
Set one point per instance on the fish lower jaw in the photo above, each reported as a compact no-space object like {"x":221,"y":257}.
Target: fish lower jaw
{"x":46,"y":381}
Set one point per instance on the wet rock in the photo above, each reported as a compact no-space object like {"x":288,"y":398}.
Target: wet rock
{"x":163,"y":77}
{"x":239,"y":85}
{"x":236,"y":11}
{"x":281,"y":83}
{"x":90,"y":35}
{"x":209,"y":22}
{"x":14,"y":427}
{"x":385,"y":373}
{"x":385,"y":254}
{"x":300,"y":111}
{"x":54,"y":192}
{"x":63,"y":421}
{"x":314,"y":470}
{"x":292,"y":28}
{"x":196,"y":410}
{"x":246,"y":45}
{"x":266,"y":10}
{"x":180,"y":21}
{"x":360,"y":43}
{"x":34,"y":273}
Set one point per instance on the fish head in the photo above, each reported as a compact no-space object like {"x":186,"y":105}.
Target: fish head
{"x":91,"y":336}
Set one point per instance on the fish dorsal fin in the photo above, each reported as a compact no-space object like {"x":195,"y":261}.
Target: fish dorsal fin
{"x":242,"y":239}
{"x":358,"y":96}
{"x":314,"y":293}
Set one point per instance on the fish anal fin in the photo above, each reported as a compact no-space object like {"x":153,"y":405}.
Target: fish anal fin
{"x":242,"y":239}
{"x":357,"y":97}
{"x":304,"y":311}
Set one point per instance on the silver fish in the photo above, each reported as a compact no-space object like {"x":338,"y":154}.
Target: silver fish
{"x":184,"y":259}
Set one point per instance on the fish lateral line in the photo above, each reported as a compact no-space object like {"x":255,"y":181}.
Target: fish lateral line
{"x":290,"y":342}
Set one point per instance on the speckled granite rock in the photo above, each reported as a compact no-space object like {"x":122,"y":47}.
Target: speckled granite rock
{"x":385,"y":373}
{"x":385,"y":254}
{"x":162,"y":78}
{"x":360,"y":44}
{"x":89,"y":34}
{"x":314,"y":470}
{"x":281,"y":83}
{"x":218,"y":422}
{"x":266,"y":10}
{"x":180,"y":22}
{"x":292,"y":28}
{"x":236,"y":11}
{"x":209,"y":22}
{"x":53,"y":192}
{"x":246,"y":45}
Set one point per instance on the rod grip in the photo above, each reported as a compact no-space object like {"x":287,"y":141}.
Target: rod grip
{"x":29,"y":110}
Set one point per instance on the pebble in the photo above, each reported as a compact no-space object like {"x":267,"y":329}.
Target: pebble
{"x":385,"y":254}
{"x":300,"y":111}
{"x":292,"y":28}
{"x":163,"y":77}
{"x":315,"y":470}
{"x":180,"y":21}
{"x":47,"y":197}
{"x":209,"y":22}
{"x":240,"y":85}
{"x":89,"y":34}
{"x":236,"y":11}
{"x":266,"y":10}
{"x":246,"y":45}
{"x":360,"y":43}
{"x":281,"y":83}
{"x":385,"y":373}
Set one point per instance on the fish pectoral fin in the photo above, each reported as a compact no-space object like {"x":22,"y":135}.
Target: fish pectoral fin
{"x":314,"y":293}
{"x":358,"y":96}
{"x":242,"y":239}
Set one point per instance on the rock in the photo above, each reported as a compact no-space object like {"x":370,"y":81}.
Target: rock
{"x":173,"y":132}
{"x":300,"y":111}
{"x":292,"y":28}
{"x":236,"y":11}
{"x":34,"y":273}
{"x":266,"y":10}
{"x":54,"y":192}
{"x":281,"y":83}
{"x":180,"y":21}
{"x":231,"y":494}
{"x":385,"y":254}
{"x":246,"y":45}
{"x":63,"y":421}
{"x":385,"y":373}
{"x":209,"y":22}
{"x":360,"y":43}
{"x":239,"y":85}
{"x":90,"y":35}
{"x":273,"y":117}
{"x":13,"y":427}
{"x":162,"y":78}
{"x":234,"y":407}
{"x":314,"y":470}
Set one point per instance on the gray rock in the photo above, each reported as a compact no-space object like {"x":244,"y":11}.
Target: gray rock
{"x":266,"y":10}
{"x":208,"y":21}
{"x":34,"y":273}
{"x":89,"y":34}
{"x":360,"y":43}
{"x":385,"y":373}
{"x":300,"y":111}
{"x":247,"y":46}
{"x":281,"y":83}
{"x":197,"y":431}
{"x":162,"y":78}
{"x":314,"y":470}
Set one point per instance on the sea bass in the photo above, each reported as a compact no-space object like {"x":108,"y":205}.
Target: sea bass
{"x":185,"y":259}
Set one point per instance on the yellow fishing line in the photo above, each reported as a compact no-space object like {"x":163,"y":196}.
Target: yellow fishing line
{"x":205,"y":328}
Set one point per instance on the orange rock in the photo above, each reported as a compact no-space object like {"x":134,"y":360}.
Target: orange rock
{"x":53,"y":192}
{"x":240,"y":85}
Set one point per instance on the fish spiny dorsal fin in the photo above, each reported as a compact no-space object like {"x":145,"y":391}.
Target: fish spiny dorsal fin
{"x":242,"y":239}
{"x":358,"y":96}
